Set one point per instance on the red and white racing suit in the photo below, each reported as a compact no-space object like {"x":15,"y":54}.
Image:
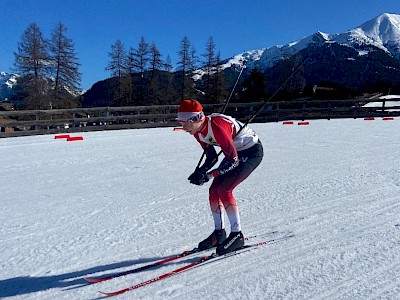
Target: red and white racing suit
{"x":243,"y":153}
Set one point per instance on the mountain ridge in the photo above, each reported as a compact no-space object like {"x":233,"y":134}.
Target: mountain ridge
{"x":342,"y":58}
{"x":382,"y":32}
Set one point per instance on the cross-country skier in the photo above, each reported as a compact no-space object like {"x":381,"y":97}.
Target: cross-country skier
{"x":243,"y":153}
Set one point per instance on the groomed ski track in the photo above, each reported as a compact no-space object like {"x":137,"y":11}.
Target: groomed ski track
{"x":120,"y":199}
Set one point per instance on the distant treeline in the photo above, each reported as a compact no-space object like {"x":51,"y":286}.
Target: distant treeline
{"x":50,"y":77}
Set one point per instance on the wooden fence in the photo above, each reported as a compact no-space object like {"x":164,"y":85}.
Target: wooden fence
{"x":32,"y":122}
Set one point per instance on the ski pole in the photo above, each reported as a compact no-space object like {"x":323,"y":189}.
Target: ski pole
{"x":265,"y":103}
{"x":276,"y":92}
{"x":244,"y":62}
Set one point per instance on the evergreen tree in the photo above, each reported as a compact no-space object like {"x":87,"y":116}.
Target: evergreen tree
{"x":66,"y":68}
{"x":218,"y":90}
{"x":167,"y":66}
{"x":281,"y":71}
{"x":141,"y":56}
{"x":32,"y":62}
{"x":156,"y":63}
{"x":194,"y":60}
{"x":118,"y":69}
{"x":130,"y":69}
{"x":155,"y":92}
{"x":185,"y":67}
{"x":169,"y":91}
{"x":254,"y":86}
{"x":141,"y":59}
{"x":116,"y":65}
{"x":130,"y":61}
{"x":210,"y":63}
{"x":122,"y":95}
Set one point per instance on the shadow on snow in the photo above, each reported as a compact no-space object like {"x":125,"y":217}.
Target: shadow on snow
{"x":23,"y":285}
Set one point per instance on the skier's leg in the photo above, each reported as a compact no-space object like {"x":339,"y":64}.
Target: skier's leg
{"x":217,"y":209}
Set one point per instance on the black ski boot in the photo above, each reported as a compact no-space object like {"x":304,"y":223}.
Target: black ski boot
{"x":232,"y":243}
{"x":216,"y":238}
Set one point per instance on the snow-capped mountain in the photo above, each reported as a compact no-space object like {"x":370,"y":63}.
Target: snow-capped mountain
{"x":7,"y":82}
{"x":382,"y":32}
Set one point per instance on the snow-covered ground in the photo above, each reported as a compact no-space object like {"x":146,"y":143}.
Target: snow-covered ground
{"x":119,"y":199}
{"x":392,"y":103}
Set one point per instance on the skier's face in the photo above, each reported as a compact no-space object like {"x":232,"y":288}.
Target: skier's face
{"x":191,"y":127}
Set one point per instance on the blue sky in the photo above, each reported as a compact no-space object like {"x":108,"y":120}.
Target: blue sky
{"x":236,"y":26}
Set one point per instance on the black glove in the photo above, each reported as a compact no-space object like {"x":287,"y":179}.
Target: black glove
{"x":199,"y":177}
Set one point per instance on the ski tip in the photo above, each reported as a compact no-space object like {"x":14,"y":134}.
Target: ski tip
{"x":95,"y":280}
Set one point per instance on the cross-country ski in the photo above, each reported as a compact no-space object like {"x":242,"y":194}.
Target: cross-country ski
{"x":167,"y":260}
{"x":200,"y":261}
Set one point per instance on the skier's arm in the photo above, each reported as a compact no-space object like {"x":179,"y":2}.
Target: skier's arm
{"x":223,"y":132}
{"x":211,"y":158}
{"x":200,"y":176}
{"x":211,"y":155}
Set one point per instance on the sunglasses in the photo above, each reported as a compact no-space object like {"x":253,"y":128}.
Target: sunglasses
{"x":194,"y":119}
